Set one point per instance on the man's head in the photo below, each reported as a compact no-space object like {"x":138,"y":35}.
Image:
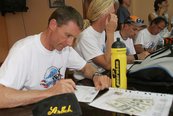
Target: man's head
{"x":64,"y":24}
{"x":132,"y":26}
{"x":125,"y":2}
{"x":158,"y":4}
{"x":157,"y":25}
{"x":64,"y":14}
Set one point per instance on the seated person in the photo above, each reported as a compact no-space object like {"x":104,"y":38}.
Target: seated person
{"x":91,"y":42}
{"x":148,"y":39}
{"x":123,"y":12}
{"x":35,"y":66}
{"x":161,"y":9}
{"x":127,"y":33}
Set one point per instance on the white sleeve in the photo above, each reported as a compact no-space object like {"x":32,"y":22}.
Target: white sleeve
{"x":89,"y":48}
{"x":139,"y":39}
{"x":132,"y":49}
{"x":75,"y":61}
{"x":13,"y":72}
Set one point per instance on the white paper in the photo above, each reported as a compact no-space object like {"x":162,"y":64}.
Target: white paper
{"x":85,"y":93}
{"x":134,"y":102}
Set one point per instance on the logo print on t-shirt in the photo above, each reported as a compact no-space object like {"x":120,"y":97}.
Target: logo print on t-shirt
{"x":51,"y":76}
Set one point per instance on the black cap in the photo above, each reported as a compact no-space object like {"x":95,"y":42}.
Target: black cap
{"x":59,"y":105}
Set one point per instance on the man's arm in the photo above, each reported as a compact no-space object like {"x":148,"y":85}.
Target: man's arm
{"x":139,"y":49}
{"x":105,"y":60}
{"x":100,"y":81}
{"x":141,"y":56}
{"x":10,"y":97}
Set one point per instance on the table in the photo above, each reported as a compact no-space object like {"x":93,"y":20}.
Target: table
{"x":86,"y":109}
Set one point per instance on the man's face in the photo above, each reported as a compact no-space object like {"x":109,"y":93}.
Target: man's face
{"x":157,"y":28}
{"x":133,"y":31}
{"x":164,"y":5}
{"x":64,"y":35}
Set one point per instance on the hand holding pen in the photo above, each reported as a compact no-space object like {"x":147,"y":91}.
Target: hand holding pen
{"x":62,"y":86}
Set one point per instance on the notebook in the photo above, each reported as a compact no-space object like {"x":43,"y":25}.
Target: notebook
{"x":134,"y":102}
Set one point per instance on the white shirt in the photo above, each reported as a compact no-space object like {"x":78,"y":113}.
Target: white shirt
{"x":146,"y":39}
{"x":30,"y":66}
{"x":90,"y":45}
{"x":128,"y":42}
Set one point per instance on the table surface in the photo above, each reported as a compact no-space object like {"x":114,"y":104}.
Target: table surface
{"x":86,"y":109}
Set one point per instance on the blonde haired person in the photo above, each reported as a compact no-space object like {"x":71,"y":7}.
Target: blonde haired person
{"x":94,"y":43}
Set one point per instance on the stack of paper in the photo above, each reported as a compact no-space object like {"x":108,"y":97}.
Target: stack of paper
{"x":134,"y":102}
{"x":127,"y":101}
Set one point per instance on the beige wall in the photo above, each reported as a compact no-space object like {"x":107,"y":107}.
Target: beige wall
{"x":16,"y":26}
{"x":3,"y":39}
{"x":34,"y":20}
{"x":142,"y":8}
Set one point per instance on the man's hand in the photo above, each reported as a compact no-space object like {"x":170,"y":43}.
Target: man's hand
{"x":62,"y":86}
{"x":101,"y":82}
{"x":143,"y":55}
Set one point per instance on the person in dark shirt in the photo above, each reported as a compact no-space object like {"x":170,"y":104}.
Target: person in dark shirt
{"x":123,"y":12}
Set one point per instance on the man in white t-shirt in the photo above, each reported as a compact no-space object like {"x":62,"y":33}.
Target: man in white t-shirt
{"x":148,"y":39}
{"x":91,"y":44}
{"x":127,"y":33}
{"x":35,"y":66}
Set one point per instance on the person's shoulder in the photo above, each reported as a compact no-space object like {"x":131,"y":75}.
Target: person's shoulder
{"x":25,"y":42}
{"x":88,"y":34}
{"x":122,"y":9}
{"x":143,"y":30}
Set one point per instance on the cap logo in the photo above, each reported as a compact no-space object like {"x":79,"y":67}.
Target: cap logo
{"x":62,"y":110}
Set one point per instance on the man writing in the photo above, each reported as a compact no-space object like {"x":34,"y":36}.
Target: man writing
{"x":35,"y":66}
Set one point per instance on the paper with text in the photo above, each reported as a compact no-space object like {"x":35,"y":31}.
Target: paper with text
{"x":134,"y":102}
{"x":85,"y":93}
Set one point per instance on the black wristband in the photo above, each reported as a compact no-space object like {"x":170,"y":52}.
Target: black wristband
{"x":136,"y":56}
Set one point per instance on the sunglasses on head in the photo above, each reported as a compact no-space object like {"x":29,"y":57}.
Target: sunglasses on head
{"x":130,"y":21}
{"x":138,"y":20}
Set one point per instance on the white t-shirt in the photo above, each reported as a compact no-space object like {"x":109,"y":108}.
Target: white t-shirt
{"x":128,"y":42}
{"x":147,"y":40}
{"x":30,"y":66}
{"x":90,"y":45}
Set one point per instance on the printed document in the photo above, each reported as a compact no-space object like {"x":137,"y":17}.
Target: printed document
{"x":85,"y":93}
{"x":134,"y":102}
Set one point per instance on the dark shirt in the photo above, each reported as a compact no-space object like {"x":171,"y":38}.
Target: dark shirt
{"x":122,"y":14}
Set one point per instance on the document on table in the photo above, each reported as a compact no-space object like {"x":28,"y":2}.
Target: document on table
{"x":134,"y":102}
{"x":85,"y":93}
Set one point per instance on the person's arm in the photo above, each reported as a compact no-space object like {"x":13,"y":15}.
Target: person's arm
{"x":10,"y":97}
{"x":105,"y":60}
{"x":141,"y":56}
{"x":100,"y":81}
{"x":139,"y":48}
